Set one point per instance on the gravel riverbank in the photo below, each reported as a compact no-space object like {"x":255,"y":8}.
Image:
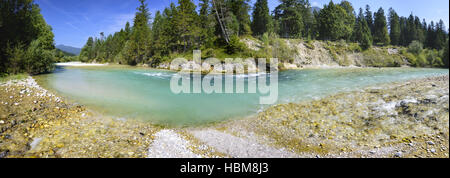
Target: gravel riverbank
{"x":405,"y":119}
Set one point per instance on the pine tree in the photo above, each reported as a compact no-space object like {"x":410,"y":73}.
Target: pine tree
{"x":380,"y":34}
{"x":445,"y":55}
{"x":362,"y":32}
{"x":187,"y":24}
{"x":441,"y":36}
{"x":332,"y":23}
{"x":261,"y":18}
{"x":139,"y":40}
{"x":394,"y":25}
{"x":240,"y":9}
{"x":411,"y":31}
{"x":307,"y":17}
{"x":419,"y":31}
{"x":127,"y":31}
{"x":369,"y":18}
{"x":349,"y":18}
{"x":290,"y":19}
{"x":207,"y":24}
{"x":86,"y":51}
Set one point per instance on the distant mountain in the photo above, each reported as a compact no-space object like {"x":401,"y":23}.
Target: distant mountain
{"x":64,"y":53}
{"x":317,"y":9}
{"x":69,"y":49}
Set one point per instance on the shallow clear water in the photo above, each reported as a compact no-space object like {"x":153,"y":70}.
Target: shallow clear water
{"x":145,"y":94}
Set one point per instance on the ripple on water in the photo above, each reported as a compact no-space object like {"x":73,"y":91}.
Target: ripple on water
{"x":146,"y":94}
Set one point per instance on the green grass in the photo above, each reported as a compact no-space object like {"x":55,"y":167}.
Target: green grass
{"x":5,"y":78}
{"x":381,"y":58}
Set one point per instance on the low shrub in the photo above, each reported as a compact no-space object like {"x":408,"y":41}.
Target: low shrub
{"x":235,"y":45}
{"x":415,"y":47}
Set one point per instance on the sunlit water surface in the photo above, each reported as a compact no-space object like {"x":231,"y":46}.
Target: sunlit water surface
{"x":145,"y":94}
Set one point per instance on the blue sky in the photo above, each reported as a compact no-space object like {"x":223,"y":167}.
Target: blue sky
{"x":73,"y":21}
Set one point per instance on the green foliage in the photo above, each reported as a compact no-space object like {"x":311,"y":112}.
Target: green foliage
{"x":433,"y":59}
{"x":208,"y":53}
{"x":26,"y":41}
{"x":421,"y":60}
{"x":140,"y":35}
{"x":424,"y":57}
{"x":333,"y":23}
{"x":362,"y":33}
{"x":394,"y":24}
{"x":282,"y":51}
{"x":207,"y":24}
{"x":16,"y":56}
{"x":37,"y":59}
{"x":62,"y":56}
{"x":369,"y":18}
{"x":6,"y":77}
{"x":235,"y":45}
{"x":218,"y":24}
{"x":261,"y":18}
{"x":294,"y":19}
{"x":445,"y":55}
{"x":339,"y":51}
{"x":411,"y":58}
{"x":240,"y":9}
{"x":186,"y":21}
{"x":381,"y":58}
{"x":415,"y":47}
{"x":380,"y":31}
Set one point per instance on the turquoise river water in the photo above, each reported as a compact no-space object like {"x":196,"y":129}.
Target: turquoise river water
{"x":145,"y":94}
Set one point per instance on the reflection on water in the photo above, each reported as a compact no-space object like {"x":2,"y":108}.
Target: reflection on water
{"x":145,"y":94}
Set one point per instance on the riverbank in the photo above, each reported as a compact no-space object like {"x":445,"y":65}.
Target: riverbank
{"x":404,"y":119}
{"x":36,"y":123}
{"x":78,"y":64}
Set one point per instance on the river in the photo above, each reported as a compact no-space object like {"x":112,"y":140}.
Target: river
{"x":145,"y":94}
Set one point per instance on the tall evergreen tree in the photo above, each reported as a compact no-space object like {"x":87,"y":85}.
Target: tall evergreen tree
{"x":332,"y":23}
{"x":290,"y":19}
{"x":187,"y":24}
{"x":349,"y":18}
{"x":440,"y":35}
{"x":394,"y":26}
{"x":369,"y":18}
{"x":362,"y":32}
{"x":140,"y":36}
{"x":261,"y":18}
{"x":380,"y":35}
{"x":240,"y":9}
{"x":307,"y":17}
{"x":207,"y":24}
{"x":445,"y":57}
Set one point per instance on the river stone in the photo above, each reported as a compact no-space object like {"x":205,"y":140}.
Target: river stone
{"x":35,"y":142}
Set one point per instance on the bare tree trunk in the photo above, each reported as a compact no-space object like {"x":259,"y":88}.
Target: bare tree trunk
{"x":222,"y":26}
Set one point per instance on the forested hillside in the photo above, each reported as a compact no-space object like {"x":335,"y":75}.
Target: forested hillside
{"x":26,"y":41}
{"x":69,"y":49}
{"x":219,"y":27}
